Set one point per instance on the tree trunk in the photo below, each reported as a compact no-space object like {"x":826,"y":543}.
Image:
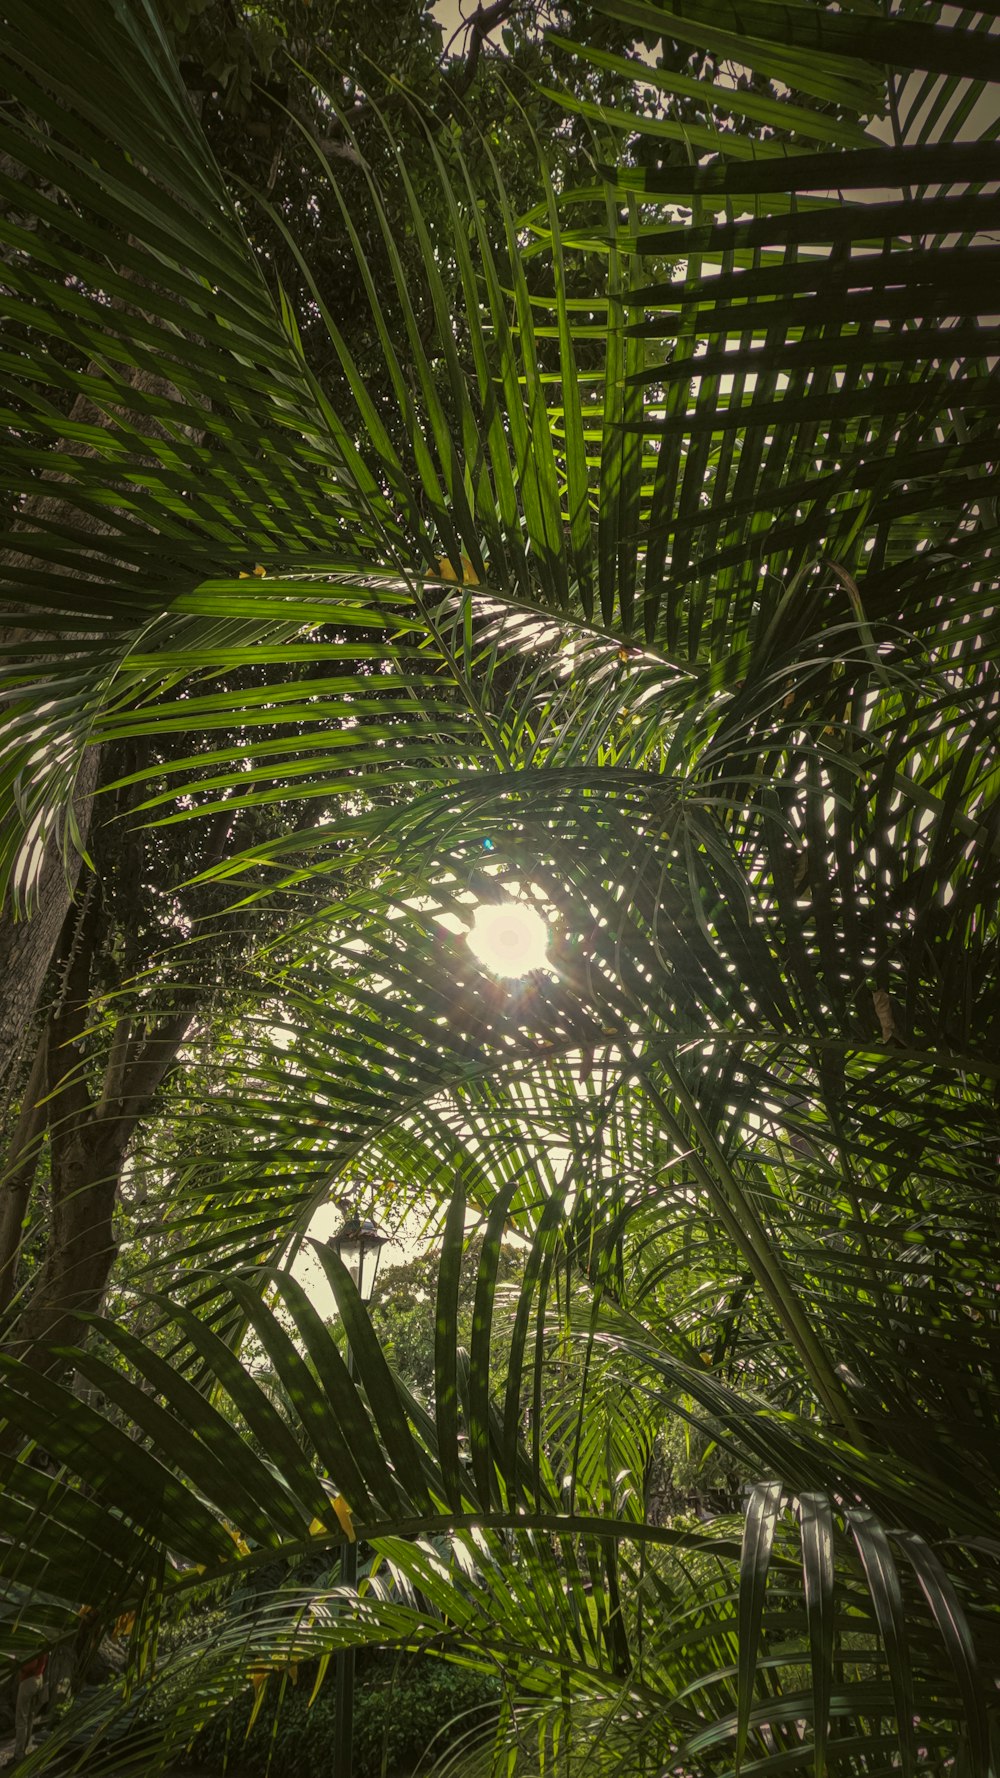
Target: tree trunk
{"x":15,"y":1190}
{"x":89,"y":1135}
{"x":81,"y":1247}
{"x":28,"y":945}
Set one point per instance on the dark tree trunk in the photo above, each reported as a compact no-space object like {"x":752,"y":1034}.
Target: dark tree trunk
{"x":28,"y":945}
{"x":90,"y":1130}
{"x":89,"y":1127}
{"x":15,"y":1191}
{"x":81,"y":1246}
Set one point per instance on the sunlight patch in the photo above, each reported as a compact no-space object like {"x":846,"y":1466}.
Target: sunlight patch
{"x":509,"y":939}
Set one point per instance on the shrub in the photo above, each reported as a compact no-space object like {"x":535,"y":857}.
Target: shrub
{"x":402,"y":1705}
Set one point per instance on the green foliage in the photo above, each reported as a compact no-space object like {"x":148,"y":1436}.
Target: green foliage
{"x":406,"y":1714}
{"x":478,"y":1544}
{"x":653,"y":578}
{"x":403,"y":1312}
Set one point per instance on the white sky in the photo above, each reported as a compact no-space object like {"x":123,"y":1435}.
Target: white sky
{"x":403,"y":1244}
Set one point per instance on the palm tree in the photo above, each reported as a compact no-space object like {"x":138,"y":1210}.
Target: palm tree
{"x":675,"y":614}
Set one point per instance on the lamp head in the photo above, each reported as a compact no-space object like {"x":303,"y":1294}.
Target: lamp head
{"x":359,"y":1243}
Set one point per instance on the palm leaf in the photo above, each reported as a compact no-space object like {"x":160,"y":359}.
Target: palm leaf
{"x":750,"y":1111}
{"x":473,"y":1577}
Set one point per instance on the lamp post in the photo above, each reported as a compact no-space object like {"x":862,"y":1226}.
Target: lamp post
{"x":358,"y":1243}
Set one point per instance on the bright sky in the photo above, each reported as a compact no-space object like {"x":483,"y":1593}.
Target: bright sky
{"x":450,"y":14}
{"x":409,"y":1239}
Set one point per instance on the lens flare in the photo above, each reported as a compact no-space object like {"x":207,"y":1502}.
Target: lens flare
{"x":509,"y":939}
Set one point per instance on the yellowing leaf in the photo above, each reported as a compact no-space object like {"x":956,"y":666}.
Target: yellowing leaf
{"x":343,"y":1513}
{"x":324,"y":1662}
{"x":259,"y":1676}
{"x":469,"y":576}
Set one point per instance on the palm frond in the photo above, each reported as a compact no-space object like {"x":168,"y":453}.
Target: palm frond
{"x":744,"y":408}
{"x":583,"y":1605}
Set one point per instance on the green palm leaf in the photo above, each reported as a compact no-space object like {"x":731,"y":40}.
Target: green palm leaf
{"x":473,"y":1576}
{"x":746,"y":1122}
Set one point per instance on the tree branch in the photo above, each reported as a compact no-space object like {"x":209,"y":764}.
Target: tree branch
{"x":146,"y":1074}
{"x":484,"y":20}
{"x":114,"y":1073}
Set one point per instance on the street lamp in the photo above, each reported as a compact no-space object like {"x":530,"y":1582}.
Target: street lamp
{"x":358,"y":1243}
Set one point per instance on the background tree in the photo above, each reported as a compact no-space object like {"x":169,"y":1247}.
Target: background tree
{"x":403,"y":1311}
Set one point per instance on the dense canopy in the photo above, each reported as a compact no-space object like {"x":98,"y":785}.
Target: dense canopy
{"x":597,"y":512}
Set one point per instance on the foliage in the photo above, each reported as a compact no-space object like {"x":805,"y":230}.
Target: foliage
{"x":402,"y":1713}
{"x":402,"y":1312}
{"x":664,"y":598}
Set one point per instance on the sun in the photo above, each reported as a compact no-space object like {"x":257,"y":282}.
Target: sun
{"x":509,"y":939}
